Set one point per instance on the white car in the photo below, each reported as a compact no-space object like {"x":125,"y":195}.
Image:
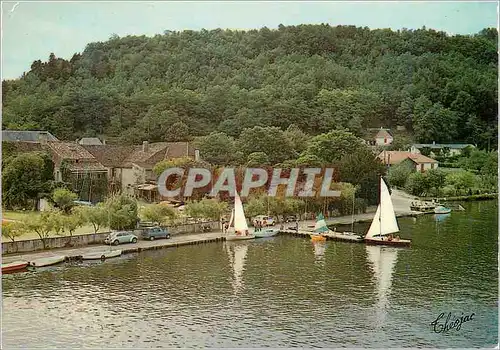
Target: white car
{"x":265,"y":220}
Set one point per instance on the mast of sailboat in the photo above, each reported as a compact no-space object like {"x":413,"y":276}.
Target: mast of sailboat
{"x":380,"y":204}
{"x":352,"y":217}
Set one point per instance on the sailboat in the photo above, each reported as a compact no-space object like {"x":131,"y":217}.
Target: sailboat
{"x":383,"y":260}
{"x":240,"y":222}
{"x":237,"y":253}
{"x":319,"y":229}
{"x":384,"y":222}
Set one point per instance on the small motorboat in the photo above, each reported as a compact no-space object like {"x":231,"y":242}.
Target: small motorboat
{"x":442,"y":210}
{"x":14,"y":266}
{"x":51,"y":260}
{"x":102,"y":255}
{"x":267,"y":232}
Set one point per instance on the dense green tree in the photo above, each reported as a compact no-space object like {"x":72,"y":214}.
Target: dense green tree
{"x":461,"y":181}
{"x":24,"y":179}
{"x":257,"y":159}
{"x":217,"y":148}
{"x":122,"y":211}
{"x":64,"y":199}
{"x":398,"y":174}
{"x":159,"y":214}
{"x":417,"y":184}
{"x":332,"y":146}
{"x":362,"y":168}
{"x":268,"y":140}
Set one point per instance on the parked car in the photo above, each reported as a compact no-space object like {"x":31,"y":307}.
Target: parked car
{"x":153,"y":233}
{"x":265,"y":220}
{"x":120,"y":237}
{"x":291,"y":218}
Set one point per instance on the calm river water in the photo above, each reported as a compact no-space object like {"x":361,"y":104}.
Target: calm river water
{"x":280,"y":292}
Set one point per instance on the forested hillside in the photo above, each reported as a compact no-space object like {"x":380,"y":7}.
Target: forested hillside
{"x":183,"y":84}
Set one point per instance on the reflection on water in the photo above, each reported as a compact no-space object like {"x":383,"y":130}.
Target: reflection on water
{"x":383,"y":260}
{"x":319,"y":250}
{"x":277,"y":292}
{"x":441,"y":217}
{"x":237,"y":252}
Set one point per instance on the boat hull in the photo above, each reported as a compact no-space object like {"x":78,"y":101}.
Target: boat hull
{"x":239,"y":238}
{"x":47,"y":261}
{"x":340,"y":236}
{"x":442,"y":211}
{"x":102,"y":255}
{"x":14,"y":266}
{"x":393,"y":243}
{"x":266,"y":233}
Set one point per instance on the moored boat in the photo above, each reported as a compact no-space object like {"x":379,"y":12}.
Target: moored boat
{"x":51,"y":260}
{"x":14,"y":266}
{"x":384,"y":223}
{"x":442,"y":210}
{"x":267,"y":232}
{"x":319,"y":229}
{"x":102,"y":255}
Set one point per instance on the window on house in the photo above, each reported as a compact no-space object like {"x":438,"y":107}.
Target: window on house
{"x":421,"y":168}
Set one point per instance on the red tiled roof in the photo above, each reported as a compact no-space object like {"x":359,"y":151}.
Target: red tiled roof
{"x":395,"y":157}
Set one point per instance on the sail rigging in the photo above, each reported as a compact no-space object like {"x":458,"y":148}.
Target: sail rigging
{"x":384,"y":221}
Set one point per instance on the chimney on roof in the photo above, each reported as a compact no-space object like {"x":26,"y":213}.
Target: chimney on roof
{"x":433,"y":142}
{"x":145,"y":146}
{"x":103,"y":142}
{"x":196,"y":154}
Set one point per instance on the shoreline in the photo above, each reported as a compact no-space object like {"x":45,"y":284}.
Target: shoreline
{"x":468,"y":198}
{"x":175,"y":241}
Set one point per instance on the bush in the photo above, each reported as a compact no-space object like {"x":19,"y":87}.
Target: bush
{"x":122,"y":211}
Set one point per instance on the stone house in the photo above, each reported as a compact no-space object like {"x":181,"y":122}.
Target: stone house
{"x":131,"y":167}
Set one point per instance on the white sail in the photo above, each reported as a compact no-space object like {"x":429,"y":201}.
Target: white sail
{"x":384,"y":221}
{"x":240,"y":222}
{"x":383,"y":260}
{"x":231,"y":219}
{"x":237,"y":256}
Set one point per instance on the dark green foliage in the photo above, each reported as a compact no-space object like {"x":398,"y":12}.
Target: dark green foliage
{"x":122,"y":211}
{"x":25,"y":178}
{"x":318,"y":77}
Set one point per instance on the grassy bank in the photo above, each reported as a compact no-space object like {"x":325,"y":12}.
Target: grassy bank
{"x":24,"y":216}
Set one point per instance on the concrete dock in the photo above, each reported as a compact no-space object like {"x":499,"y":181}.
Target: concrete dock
{"x":401,"y":202}
{"x":75,"y":253}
